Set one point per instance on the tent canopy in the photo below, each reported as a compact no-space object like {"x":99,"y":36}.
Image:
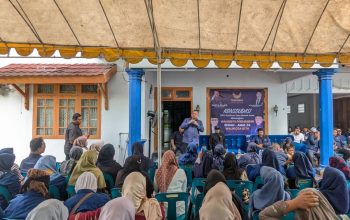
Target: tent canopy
{"x":199,"y":30}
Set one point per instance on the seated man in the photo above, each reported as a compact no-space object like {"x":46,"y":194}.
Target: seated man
{"x":313,"y":146}
{"x":37,"y":147}
{"x":298,"y":136}
{"x":176,"y":141}
{"x":261,"y":140}
{"x":280,"y":154}
{"x":216,"y":138}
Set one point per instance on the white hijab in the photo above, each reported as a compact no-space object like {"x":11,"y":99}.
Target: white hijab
{"x":122,"y":207}
{"x":87,"y":180}
{"x":52,"y":209}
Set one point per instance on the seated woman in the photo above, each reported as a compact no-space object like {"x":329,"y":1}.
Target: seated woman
{"x":137,"y":149}
{"x":251,"y":157}
{"x":134,"y":188}
{"x":302,"y":169}
{"x":81,"y":142}
{"x":106,"y":162}
{"x":219,"y":202}
{"x":122,"y":207}
{"x":133,"y":164}
{"x":67,"y":166}
{"x":309,"y":204}
{"x":169,"y":178}
{"x":218,"y":157}
{"x":96,"y":146}
{"x":269,"y":159}
{"x":86,"y":188}
{"x":15,"y":168}
{"x":35,"y":191}
{"x":190,"y":156}
{"x":8,"y":178}
{"x":232,"y":170}
{"x":271,"y":192}
{"x":87,"y":163}
{"x":203,"y":164}
{"x":48,"y":163}
{"x":340,"y":164}
{"x":334,"y":187}
{"x":52,"y":209}
{"x":289,"y":150}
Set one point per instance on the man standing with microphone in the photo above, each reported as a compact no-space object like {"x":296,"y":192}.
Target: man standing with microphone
{"x":192,"y":127}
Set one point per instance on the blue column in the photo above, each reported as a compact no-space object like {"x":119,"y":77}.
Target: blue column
{"x":135,"y":78}
{"x":326,"y":114}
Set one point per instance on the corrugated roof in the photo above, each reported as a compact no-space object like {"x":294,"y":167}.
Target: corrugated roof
{"x":55,"y":69}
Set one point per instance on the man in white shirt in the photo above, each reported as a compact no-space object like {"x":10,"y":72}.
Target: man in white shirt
{"x":298,"y":137}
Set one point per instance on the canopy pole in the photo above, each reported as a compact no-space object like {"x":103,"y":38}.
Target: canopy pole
{"x":159,"y":110}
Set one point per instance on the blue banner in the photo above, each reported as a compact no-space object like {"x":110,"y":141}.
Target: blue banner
{"x":237,"y":111}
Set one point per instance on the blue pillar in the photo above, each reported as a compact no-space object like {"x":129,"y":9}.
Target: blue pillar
{"x":135,"y":78}
{"x":326,"y":114}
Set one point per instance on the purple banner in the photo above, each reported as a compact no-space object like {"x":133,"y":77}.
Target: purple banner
{"x":237,"y":111}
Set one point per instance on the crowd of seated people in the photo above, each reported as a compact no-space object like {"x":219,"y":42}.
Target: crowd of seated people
{"x":280,"y":170}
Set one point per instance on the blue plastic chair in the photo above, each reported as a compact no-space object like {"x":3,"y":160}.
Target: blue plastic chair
{"x":24,"y":174}
{"x":152,"y":171}
{"x":197,"y":183}
{"x":348,"y":181}
{"x":4,"y":192}
{"x":54,"y":192}
{"x":109,"y":180}
{"x":294,"y":193}
{"x":70,"y":190}
{"x":238,"y":187}
{"x":305,"y":183}
{"x":171,"y":199}
{"x":189,"y":174}
{"x":116,"y":193}
{"x":197,"y":204}
{"x":289,"y":216}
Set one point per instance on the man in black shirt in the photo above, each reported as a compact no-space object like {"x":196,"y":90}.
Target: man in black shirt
{"x":72,"y":132}
{"x":176,"y":141}
{"x":216,"y":138}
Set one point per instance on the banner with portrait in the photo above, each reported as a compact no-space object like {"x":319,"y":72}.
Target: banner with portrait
{"x":237,"y":111}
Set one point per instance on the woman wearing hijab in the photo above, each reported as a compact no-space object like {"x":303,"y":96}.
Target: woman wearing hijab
{"x":219,"y":202}
{"x":106,"y":162}
{"x":302,"y":169}
{"x":67,"y":166}
{"x":310,"y":204}
{"x":218,"y":158}
{"x":35,"y":191}
{"x":96,"y":146}
{"x":52,"y":209}
{"x":81,"y":142}
{"x":190,"y":156}
{"x":251,"y":157}
{"x":271,"y":192}
{"x":340,"y":164}
{"x":8,"y":178}
{"x":122,"y":207}
{"x":169,"y":178}
{"x":232,"y":170}
{"x":137,"y":149}
{"x":48,"y":163}
{"x":334,"y":187}
{"x":86,"y":191}
{"x":269,"y":159}
{"x":134,"y":188}
{"x":133,"y":164}
{"x":15,"y":167}
{"x":87,"y":163}
{"x":203,"y":164}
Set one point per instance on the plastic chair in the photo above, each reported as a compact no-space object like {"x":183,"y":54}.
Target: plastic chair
{"x":171,"y":199}
{"x":54,"y":192}
{"x":4,"y":192}
{"x":189,"y":174}
{"x":109,"y":180}
{"x":238,"y":186}
{"x":58,"y":166}
{"x":152,"y":171}
{"x":70,"y":190}
{"x":116,"y":193}
{"x":24,"y":174}
{"x":305,"y":183}
{"x":294,"y":193}
{"x":197,"y":204}
{"x":197,"y":183}
{"x":258,"y":183}
{"x":348,"y":181}
{"x":289,"y":216}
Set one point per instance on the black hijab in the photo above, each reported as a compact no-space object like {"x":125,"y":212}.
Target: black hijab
{"x":269,"y":159}
{"x":207,"y":164}
{"x":106,"y":162}
{"x":302,"y":165}
{"x":215,"y":177}
{"x":133,"y":164}
{"x":231,"y":168}
{"x":137,"y":149}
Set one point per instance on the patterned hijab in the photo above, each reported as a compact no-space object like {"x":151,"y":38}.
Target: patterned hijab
{"x":38,"y":181}
{"x":340,"y":164}
{"x":48,"y":164}
{"x":166,"y":171}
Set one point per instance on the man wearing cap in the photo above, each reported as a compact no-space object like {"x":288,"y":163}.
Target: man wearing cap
{"x":216,"y":138}
{"x":313,"y":146}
